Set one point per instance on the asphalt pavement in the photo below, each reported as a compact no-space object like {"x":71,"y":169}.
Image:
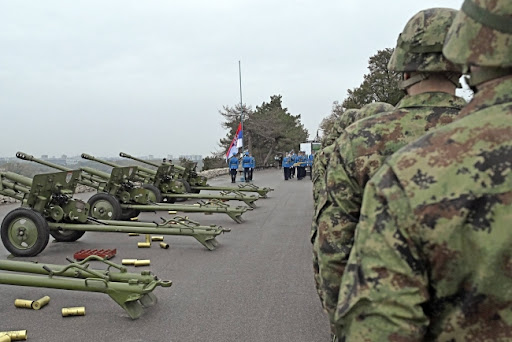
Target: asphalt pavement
{"x":256,"y":286}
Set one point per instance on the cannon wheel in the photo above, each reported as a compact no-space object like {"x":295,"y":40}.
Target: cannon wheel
{"x":127,"y":214}
{"x":186,"y":187}
{"x":66,"y":235}
{"x":24,"y":232}
{"x":155,"y":195}
{"x":105,"y":207}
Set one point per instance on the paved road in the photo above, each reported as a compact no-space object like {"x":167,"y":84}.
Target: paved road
{"x":256,"y":286}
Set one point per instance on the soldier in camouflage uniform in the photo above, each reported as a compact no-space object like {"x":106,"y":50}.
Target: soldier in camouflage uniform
{"x":432,"y":258}
{"x":430,"y":81}
{"x":319,"y":166}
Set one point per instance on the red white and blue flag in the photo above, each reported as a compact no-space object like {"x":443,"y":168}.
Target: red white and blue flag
{"x":236,"y":143}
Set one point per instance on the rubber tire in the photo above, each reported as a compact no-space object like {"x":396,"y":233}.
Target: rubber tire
{"x":114,"y":202}
{"x":66,"y":235}
{"x":127,"y":214}
{"x":169,"y":200}
{"x":157,"y":194}
{"x":186,"y":185}
{"x":195,"y":191}
{"x":42,"y":230}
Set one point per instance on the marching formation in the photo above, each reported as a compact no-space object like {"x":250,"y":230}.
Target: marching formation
{"x":410,"y":235}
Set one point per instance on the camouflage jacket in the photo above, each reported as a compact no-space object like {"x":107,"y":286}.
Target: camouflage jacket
{"x":358,"y":153}
{"x":432,"y":258}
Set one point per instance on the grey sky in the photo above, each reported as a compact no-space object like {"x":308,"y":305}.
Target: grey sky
{"x":149,"y":77}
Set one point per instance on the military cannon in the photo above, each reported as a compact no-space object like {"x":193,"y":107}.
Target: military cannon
{"x":48,"y":208}
{"x":163,"y":176}
{"x":197,"y":183}
{"x":131,"y":291}
{"x":119,"y":198}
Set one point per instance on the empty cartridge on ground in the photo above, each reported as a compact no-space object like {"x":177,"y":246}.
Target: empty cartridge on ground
{"x":73,"y":311}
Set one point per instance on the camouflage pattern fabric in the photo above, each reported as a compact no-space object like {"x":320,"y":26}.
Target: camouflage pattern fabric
{"x":481,"y":34}
{"x":432,"y":258}
{"x":344,"y":120}
{"x":420,"y":44}
{"x":372,"y":109}
{"x":358,"y":153}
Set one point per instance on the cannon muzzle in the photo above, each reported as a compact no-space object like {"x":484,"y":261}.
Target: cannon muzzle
{"x":24,"y":156}
{"x":87,"y":156}
{"x":124,"y":155}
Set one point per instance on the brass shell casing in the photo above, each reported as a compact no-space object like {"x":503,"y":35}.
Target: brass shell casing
{"x":148,"y":238}
{"x":23,"y":303}
{"x":172,"y":212}
{"x":142,"y":263}
{"x":133,"y":234}
{"x":73,"y":311}
{"x":144,"y":244}
{"x":128,"y":261}
{"x":5,"y":338}
{"x":164,"y":245}
{"x":157,"y":238}
{"x":17,"y":335}
{"x":38,"y":304}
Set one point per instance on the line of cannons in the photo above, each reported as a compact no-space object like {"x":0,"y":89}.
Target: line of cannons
{"x":49,"y":208}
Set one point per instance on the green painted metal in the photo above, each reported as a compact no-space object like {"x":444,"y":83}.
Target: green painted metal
{"x":176,"y":226}
{"x":262,"y":191}
{"x":229,"y":193}
{"x":48,"y":206}
{"x":131,"y":291}
{"x":120,"y":184}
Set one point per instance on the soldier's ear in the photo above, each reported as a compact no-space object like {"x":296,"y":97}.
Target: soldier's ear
{"x":406,"y":76}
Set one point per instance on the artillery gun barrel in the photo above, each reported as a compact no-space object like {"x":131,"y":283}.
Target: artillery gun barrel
{"x":142,"y":172}
{"x":89,"y":157}
{"x":126,"y":155}
{"x":16,"y":178}
{"x":85,"y":180}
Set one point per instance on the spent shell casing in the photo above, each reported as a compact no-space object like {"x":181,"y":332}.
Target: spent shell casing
{"x":5,"y":338}
{"x":128,"y":261}
{"x":142,"y":262}
{"x":164,"y":245}
{"x":144,"y":244}
{"x":15,"y":335}
{"x":172,"y":212}
{"x":73,"y":311}
{"x":157,"y":238}
{"x":148,"y":238}
{"x":38,"y":304}
{"x":23,"y":303}
{"x":133,"y":234}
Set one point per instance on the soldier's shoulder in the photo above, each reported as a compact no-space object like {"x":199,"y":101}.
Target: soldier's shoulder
{"x":440,"y":165}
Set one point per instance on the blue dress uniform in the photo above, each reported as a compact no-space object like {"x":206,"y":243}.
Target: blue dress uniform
{"x":246,"y":164}
{"x":311,"y":158}
{"x":251,"y":169}
{"x":292,"y":168}
{"x":287,"y":162}
{"x":233,"y":166}
{"x":301,"y":170}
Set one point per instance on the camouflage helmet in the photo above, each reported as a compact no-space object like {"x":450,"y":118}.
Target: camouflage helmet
{"x":372,"y":109}
{"x":481,"y":34}
{"x":343,"y":121}
{"x":419,"y":46}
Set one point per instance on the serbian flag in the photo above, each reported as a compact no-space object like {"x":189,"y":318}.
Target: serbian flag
{"x":236,"y":143}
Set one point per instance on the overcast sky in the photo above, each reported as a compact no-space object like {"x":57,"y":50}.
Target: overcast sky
{"x":149,"y":77}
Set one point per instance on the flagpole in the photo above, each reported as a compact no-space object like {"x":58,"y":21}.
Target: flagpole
{"x":241,"y":104}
